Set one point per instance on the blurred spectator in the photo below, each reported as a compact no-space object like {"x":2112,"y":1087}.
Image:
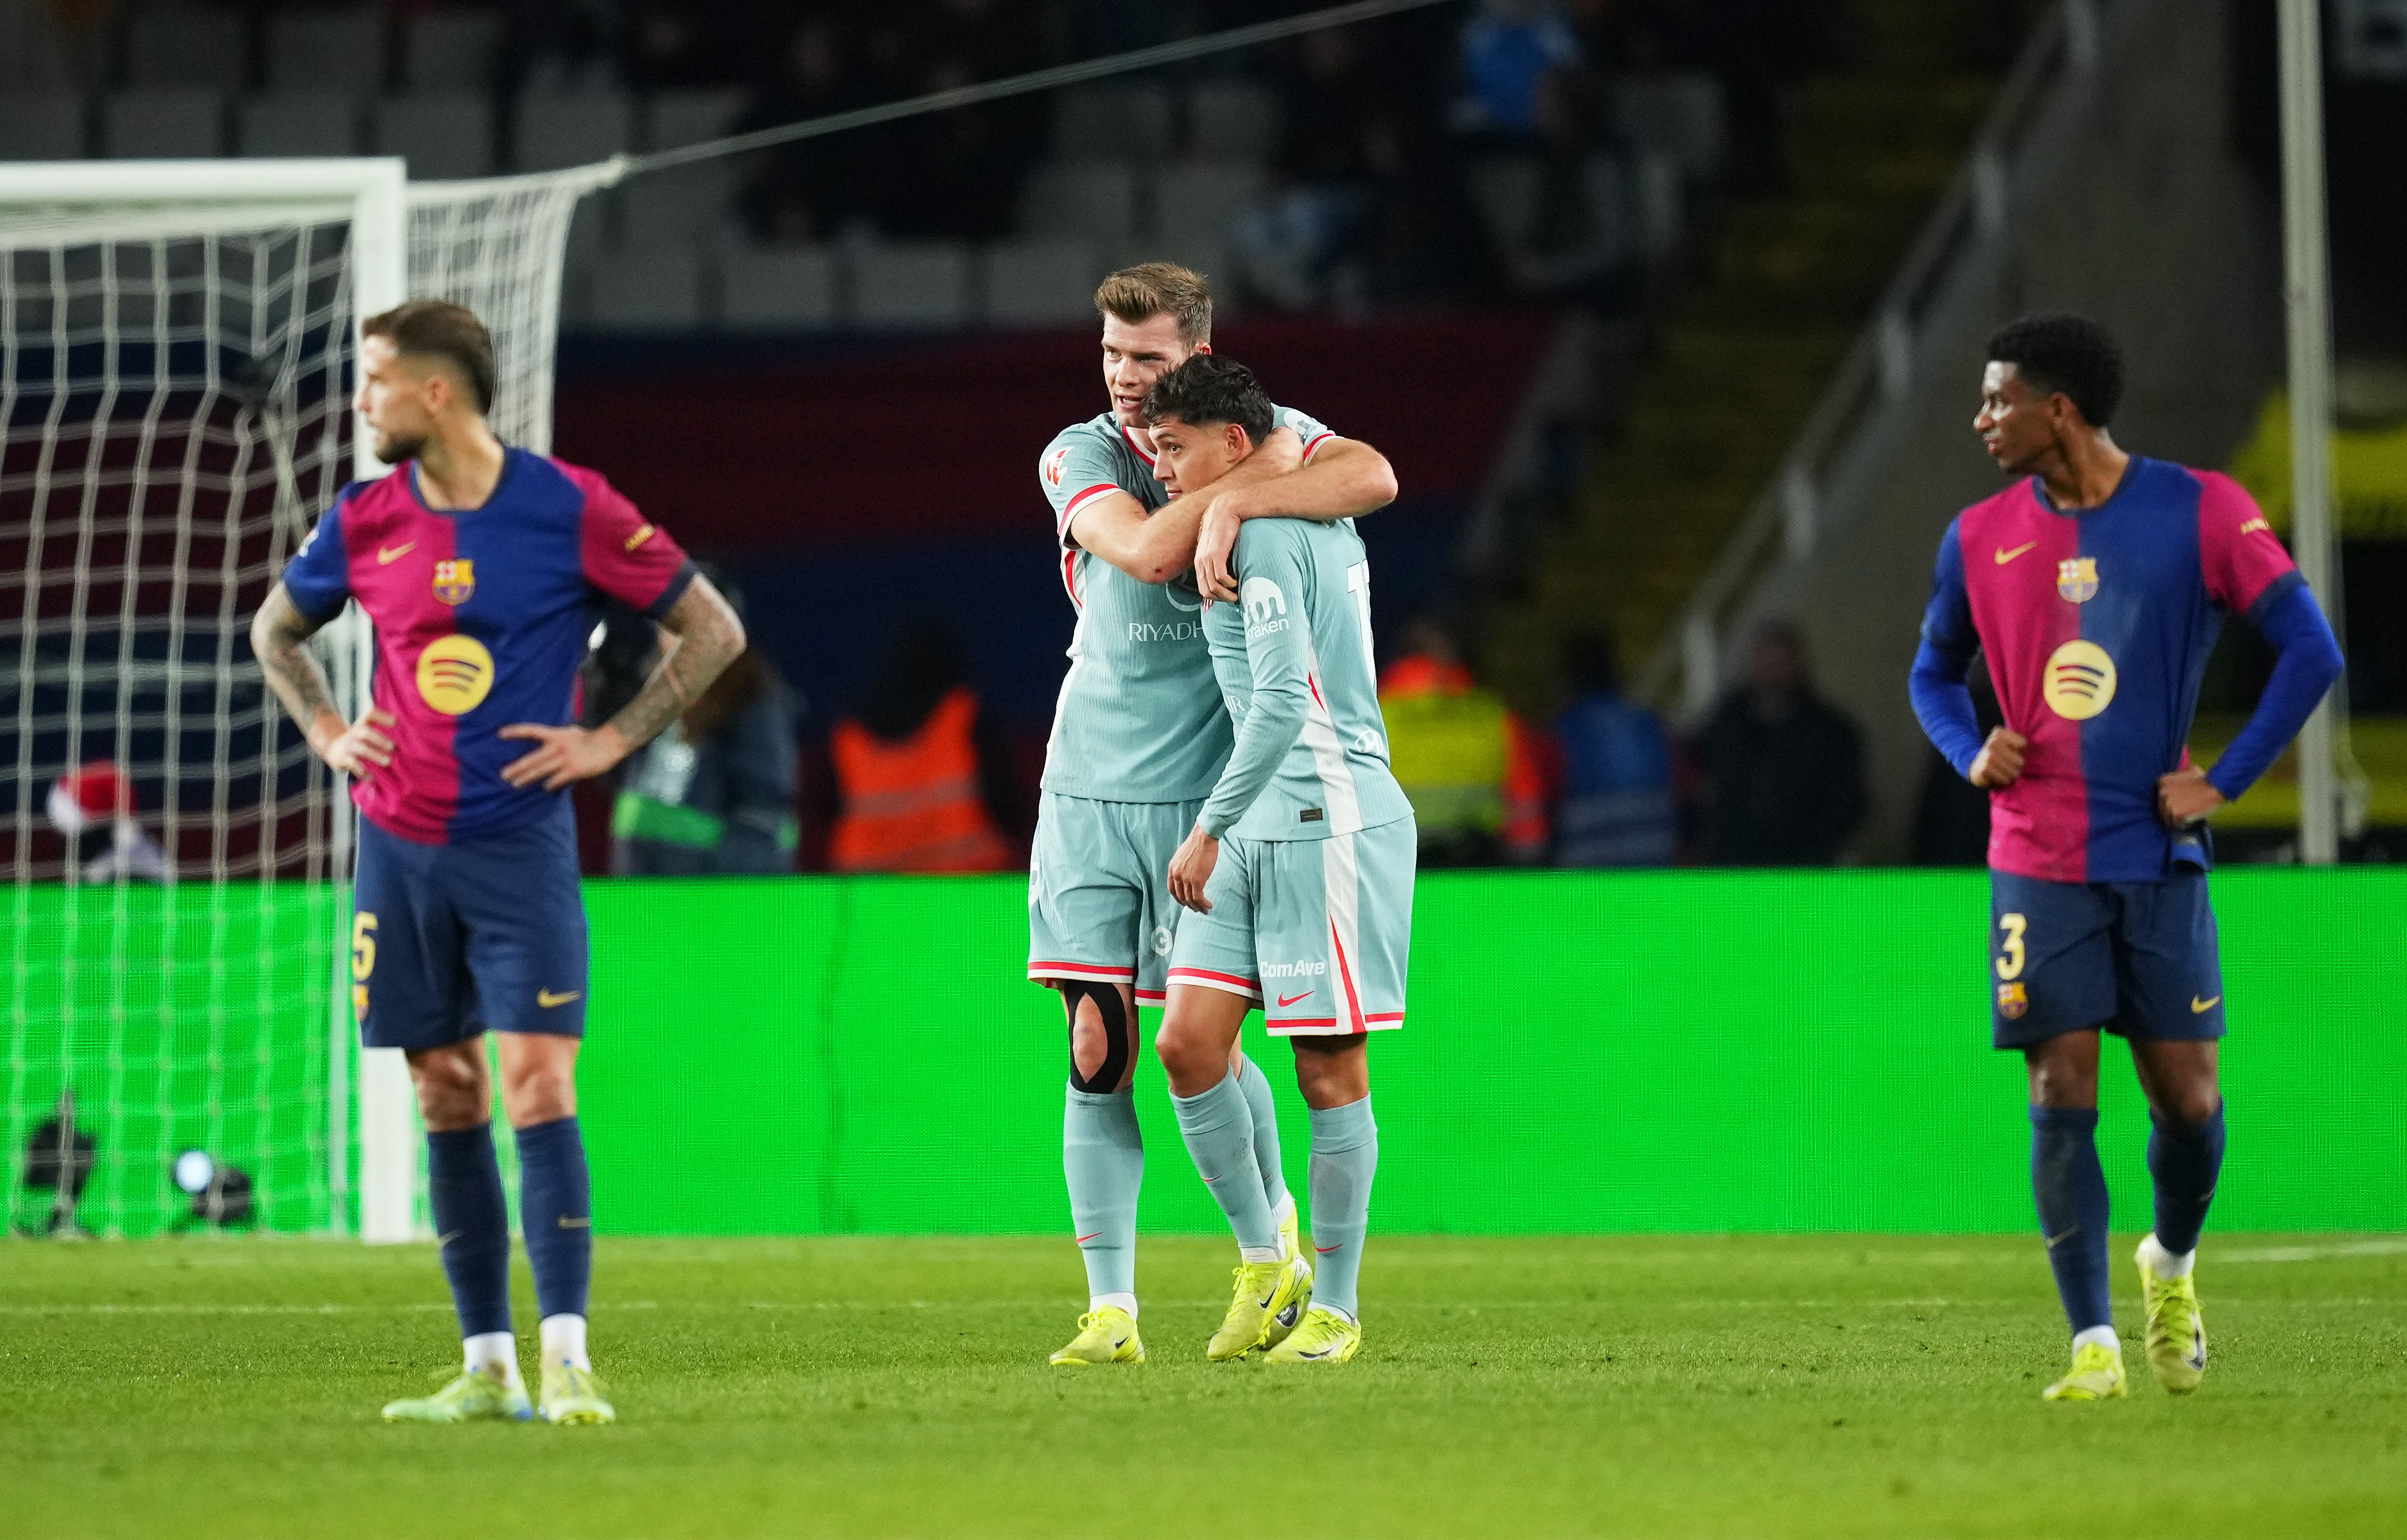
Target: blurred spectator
{"x":806,"y":191}
{"x":1784,"y":770}
{"x":1758,"y":50}
{"x":93,"y":805}
{"x":1516,"y":58}
{"x":1616,"y":807}
{"x":714,"y":793}
{"x":1468,"y":764}
{"x":911,"y":771}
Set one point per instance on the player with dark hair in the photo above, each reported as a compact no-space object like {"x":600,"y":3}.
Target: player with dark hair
{"x":2095,"y":585}
{"x":1139,"y":737}
{"x":1300,"y":869}
{"x":479,"y":564}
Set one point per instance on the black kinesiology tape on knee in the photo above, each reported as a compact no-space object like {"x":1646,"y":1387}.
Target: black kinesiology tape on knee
{"x":1117,"y":1042}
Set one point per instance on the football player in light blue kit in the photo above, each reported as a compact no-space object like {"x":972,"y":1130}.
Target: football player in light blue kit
{"x":1139,"y":737}
{"x":1300,"y":868}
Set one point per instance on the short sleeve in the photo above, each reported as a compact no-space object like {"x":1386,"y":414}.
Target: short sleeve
{"x":623,"y":554}
{"x":1076,"y":471}
{"x":1313,"y":433}
{"x":318,"y":580}
{"x":2245,"y":564}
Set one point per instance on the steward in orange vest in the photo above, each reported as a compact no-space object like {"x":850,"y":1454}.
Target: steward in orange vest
{"x":915,"y":805}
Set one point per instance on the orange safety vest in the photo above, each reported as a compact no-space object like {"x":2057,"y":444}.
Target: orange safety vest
{"x":914,"y":806}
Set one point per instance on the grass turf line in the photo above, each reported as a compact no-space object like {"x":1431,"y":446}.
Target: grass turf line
{"x":1639,"y":1386}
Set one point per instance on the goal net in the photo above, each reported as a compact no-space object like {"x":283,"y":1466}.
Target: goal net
{"x":176,"y":368}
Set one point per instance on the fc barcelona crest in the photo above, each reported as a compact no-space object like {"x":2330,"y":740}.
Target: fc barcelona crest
{"x":2077,"y":579}
{"x":2012,"y":999}
{"x":455,"y":580}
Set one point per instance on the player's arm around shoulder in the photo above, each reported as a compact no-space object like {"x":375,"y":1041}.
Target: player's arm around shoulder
{"x":1337,"y":478}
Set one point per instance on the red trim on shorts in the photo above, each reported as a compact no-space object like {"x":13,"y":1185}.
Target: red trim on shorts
{"x":1092,"y":972}
{"x":1152,"y":997}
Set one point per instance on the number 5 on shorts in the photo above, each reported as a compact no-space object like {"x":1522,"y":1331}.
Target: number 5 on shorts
{"x":2010,"y":951}
{"x":363,"y":926}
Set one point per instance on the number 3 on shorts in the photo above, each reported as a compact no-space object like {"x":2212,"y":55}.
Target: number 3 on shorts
{"x":2010,"y":951}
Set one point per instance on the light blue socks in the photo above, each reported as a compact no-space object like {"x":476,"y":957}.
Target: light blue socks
{"x":1219,"y":1128}
{"x":1344,"y":1158}
{"x":1102,"y":1159}
{"x":1257,"y":1088}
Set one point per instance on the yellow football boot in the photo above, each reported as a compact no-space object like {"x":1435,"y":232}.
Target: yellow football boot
{"x":1325,"y":1337}
{"x":1108,"y":1335}
{"x":2097,"y":1375}
{"x":573,"y":1395}
{"x":476,"y":1396}
{"x":2176,"y":1331}
{"x":1291,"y":1247}
{"x":1264,"y":1291}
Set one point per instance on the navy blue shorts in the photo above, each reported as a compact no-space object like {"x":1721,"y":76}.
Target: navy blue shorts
{"x":2137,"y":959}
{"x":452,"y":940}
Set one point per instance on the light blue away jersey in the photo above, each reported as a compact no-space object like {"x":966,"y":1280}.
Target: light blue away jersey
{"x":1139,"y":719}
{"x":1294,"y":662}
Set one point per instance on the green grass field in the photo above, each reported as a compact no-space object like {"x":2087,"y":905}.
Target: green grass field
{"x":1659,"y":1386}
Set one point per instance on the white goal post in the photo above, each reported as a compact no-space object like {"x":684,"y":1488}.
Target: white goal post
{"x":179,"y":341}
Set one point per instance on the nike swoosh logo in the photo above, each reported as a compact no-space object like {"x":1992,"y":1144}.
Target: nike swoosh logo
{"x":442,"y":1241}
{"x":2003,"y":555}
{"x":2199,"y":1007}
{"x":1286,"y":1000}
{"x":548,"y":1000}
{"x":387,"y":555}
{"x":1084,"y":1239}
{"x":2053,"y":1241}
{"x":1324,"y":1250}
{"x":567,"y":1223}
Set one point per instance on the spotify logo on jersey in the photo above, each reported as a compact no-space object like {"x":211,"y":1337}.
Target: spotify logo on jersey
{"x":455,"y":674}
{"x":2080,"y":680}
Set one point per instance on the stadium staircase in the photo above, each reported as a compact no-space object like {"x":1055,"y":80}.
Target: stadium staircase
{"x":1785,"y":281}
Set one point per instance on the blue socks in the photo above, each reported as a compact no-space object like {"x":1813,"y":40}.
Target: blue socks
{"x":556,"y":1210}
{"x":472,"y":1222}
{"x":1102,"y":1160}
{"x":2185,"y":1161}
{"x":1219,"y":1128}
{"x":1344,"y":1158}
{"x":2072,"y":1193}
{"x":1257,"y":1087}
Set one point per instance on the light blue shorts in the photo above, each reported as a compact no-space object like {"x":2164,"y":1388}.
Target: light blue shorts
{"x":1099,"y":904}
{"x":1318,"y":931}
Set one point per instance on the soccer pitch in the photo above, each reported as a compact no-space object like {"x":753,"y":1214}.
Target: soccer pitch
{"x":1654,"y":1386}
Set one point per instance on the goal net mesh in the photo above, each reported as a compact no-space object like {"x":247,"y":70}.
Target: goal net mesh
{"x":175,"y":384}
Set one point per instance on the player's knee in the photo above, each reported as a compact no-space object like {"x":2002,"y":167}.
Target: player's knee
{"x":2191,"y":1105}
{"x":453,"y":1090}
{"x":1186,"y":1061}
{"x":538,"y":1093}
{"x":1101,"y":1036}
{"x":1331,"y":1072}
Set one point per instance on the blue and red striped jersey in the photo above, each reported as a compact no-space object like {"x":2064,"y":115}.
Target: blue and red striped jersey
{"x":2097,"y":625}
{"x":480,"y":618}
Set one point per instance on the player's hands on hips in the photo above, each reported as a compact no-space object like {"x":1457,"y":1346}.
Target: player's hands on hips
{"x":562,"y":754}
{"x":2000,"y":762}
{"x":2186,"y":796}
{"x":360,"y":748}
{"x":1216,"y":544}
{"x":1191,"y":867}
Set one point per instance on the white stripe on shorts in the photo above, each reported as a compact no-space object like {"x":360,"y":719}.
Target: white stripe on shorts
{"x":1342,"y":884}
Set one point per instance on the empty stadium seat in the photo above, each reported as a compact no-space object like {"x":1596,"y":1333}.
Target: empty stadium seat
{"x":457,"y":49}
{"x":1081,"y":200}
{"x":1679,"y":117}
{"x":688,"y":200}
{"x":1041,"y":282}
{"x":442,"y":134}
{"x":187,"y":48}
{"x":557,"y":129}
{"x":911,"y":284}
{"x":764,"y":288}
{"x":41,"y":127}
{"x":647,"y":288}
{"x":1113,"y":122}
{"x":1232,"y":120}
{"x":168,"y":123}
{"x":1195,"y":202}
{"x":298,"y":122}
{"x":326,"y":51}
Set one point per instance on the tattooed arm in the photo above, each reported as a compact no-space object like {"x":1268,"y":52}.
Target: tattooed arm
{"x":703,"y":637}
{"x":278,"y":636}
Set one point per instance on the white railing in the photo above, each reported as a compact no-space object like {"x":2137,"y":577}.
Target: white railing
{"x":1857,"y":428}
